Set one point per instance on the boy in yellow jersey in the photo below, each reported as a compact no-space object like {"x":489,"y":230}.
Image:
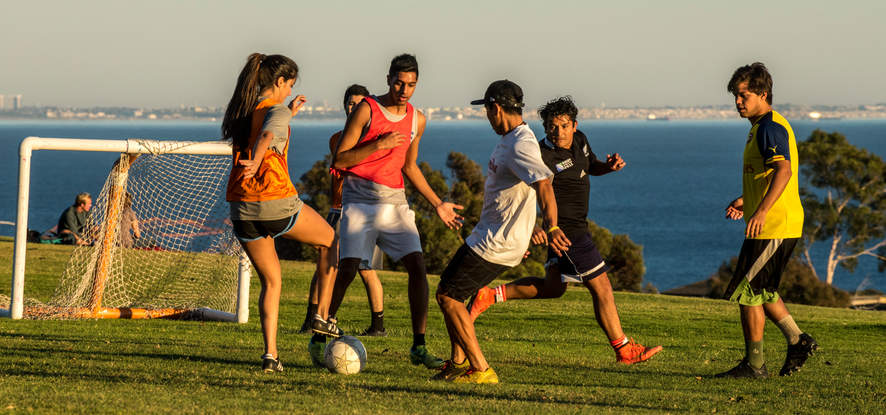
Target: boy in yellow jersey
{"x":770,"y":205}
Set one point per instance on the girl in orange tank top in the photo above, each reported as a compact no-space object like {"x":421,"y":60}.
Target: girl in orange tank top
{"x":264,"y":203}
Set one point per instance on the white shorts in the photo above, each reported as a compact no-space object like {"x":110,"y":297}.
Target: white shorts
{"x":391,"y":227}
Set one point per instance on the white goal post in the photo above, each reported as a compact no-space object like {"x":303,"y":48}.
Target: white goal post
{"x":106,"y":246}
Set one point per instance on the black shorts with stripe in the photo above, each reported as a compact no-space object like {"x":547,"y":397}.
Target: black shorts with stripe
{"x":761,"y":262}
{"x":581,"y":262}
{"x":251,"y":230}
{"x":466,"y":273}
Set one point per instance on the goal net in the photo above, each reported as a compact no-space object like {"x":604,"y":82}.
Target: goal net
{"x":159,"y":243}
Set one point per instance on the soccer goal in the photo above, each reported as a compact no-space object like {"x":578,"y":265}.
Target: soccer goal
{"x":158,"y":241}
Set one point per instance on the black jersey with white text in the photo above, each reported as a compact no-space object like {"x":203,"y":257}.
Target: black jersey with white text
{"x":571,"y":184}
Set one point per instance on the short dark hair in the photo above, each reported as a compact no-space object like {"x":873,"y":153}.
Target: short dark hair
{"x":556,"y":107}
{"x":507,"y":109}
{"x":352,"y":90}
{"x":403,"y":63}
{"x":758,"y":78}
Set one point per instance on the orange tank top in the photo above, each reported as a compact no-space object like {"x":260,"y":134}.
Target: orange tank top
{"x":271,"y":181}
{"x":384,"y":166}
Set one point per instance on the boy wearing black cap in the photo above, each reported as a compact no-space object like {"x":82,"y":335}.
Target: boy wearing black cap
{"x":566,"y":152}
{"x":516,"y":172}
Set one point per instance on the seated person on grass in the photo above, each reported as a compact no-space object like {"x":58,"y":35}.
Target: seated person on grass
{"x":72,"y":222}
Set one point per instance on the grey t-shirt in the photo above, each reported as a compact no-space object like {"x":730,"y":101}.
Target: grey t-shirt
{"x":266,"y":210}
{"x":359,"y":190}
{"x":508,"y":217}
{"x":277,"y":122}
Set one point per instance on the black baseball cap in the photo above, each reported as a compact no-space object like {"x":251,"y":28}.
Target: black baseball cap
{"x":504,"y":93}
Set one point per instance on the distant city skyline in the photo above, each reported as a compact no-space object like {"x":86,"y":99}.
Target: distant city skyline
{"x":163,"y":53}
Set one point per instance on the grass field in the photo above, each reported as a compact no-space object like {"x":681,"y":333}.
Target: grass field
{"x":550,"y":355}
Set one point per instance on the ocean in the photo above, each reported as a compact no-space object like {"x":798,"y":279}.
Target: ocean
{"x":670,"y":198}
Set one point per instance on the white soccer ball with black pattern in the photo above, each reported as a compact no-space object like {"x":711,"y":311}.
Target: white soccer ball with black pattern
{"x":345,"y":355}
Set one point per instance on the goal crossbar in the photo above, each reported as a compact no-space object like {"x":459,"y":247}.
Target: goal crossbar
{"x":128,"y":146}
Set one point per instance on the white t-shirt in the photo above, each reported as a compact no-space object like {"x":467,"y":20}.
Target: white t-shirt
{"x":508,"y":216}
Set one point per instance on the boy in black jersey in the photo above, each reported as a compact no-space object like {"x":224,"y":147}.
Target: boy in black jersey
{"x":566,"y":152}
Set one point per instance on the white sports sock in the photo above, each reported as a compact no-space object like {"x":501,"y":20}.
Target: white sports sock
{"x":500,"y":294}
{"x":789,"y":329}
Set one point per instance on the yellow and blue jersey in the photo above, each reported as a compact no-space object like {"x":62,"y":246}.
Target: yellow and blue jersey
{"x":770,"y":140}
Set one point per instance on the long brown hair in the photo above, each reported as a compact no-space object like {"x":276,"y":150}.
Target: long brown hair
{"x":260,"y":73}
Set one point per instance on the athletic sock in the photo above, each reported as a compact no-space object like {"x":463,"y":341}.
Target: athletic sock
{"x":267,"y":356}
{"x":754,"y":354}
{"x":318,"y":338}
{"x":418,"y":339}
{"x":789,"y":329}
{"x":619,"y":343}
{"x":378,"y":322}
{"x":501,"y":294}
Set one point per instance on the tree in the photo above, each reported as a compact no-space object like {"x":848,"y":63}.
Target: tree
{"x":846,"y":203}
{"x":624,"y":256}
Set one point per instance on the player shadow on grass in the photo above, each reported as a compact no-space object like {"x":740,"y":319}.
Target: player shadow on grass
{"x":447,"y":390}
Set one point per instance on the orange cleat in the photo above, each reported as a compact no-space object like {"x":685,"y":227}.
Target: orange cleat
{"x":635,"y":353}
{"x":484,"y":298}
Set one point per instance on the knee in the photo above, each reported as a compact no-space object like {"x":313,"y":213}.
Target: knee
{"x":414,"y":263}
{"x":443,"y":300}
{"x":439,"y":296}
{"x":600,"y":287}
{"x":347,"y":268}
{"x":552,"y":289}
{"x":271,"y":284}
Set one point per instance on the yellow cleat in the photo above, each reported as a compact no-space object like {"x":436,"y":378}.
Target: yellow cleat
{"x":476,"y":376}
{"x":451,"y":370}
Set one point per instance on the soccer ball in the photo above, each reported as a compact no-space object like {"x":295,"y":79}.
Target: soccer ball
{"x":345,"y":355}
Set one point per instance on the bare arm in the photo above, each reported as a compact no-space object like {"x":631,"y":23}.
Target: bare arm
{"x":445,"y":210}
{"x":613,"y":163}
{"x":779,"y":181}
{"x":735,"y":210}
{"x":337,"y":180}
{"x":250,"y":167}
{"x":349,"y":153}
{"x":548,"y":205}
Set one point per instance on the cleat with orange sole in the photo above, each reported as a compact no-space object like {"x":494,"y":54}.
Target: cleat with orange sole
{"x":632,"y":353}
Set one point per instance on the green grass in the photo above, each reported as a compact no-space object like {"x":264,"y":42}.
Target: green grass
{"x":550,"y":355}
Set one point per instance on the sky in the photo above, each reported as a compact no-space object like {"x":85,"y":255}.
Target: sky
{"x":160,"y":53}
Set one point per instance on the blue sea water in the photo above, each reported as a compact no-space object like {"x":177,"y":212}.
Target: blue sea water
{"x":670,"y":198}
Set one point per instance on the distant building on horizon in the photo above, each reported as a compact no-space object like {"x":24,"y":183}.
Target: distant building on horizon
{"x":17,"y":102}
{"x":1,"y":102}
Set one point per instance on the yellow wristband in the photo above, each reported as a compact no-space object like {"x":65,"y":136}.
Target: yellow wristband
{"x":553,"y":228}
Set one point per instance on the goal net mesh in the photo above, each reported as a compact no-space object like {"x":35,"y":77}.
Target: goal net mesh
{"x":160,"y":238}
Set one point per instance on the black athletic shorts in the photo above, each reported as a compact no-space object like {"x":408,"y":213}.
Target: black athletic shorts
{"x":581,"y":262}
{"x":466,"y":273}
{"x":333,"y":217}
{"x":761,"y":263}
{"x":251,"y":230}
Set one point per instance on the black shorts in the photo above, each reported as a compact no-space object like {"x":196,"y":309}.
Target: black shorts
{"x":333,"y":217}
{"x":582,"y":262}
{"x":761,"y":262}
{"x":466,"y":273}
{"x":251,"y":230}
